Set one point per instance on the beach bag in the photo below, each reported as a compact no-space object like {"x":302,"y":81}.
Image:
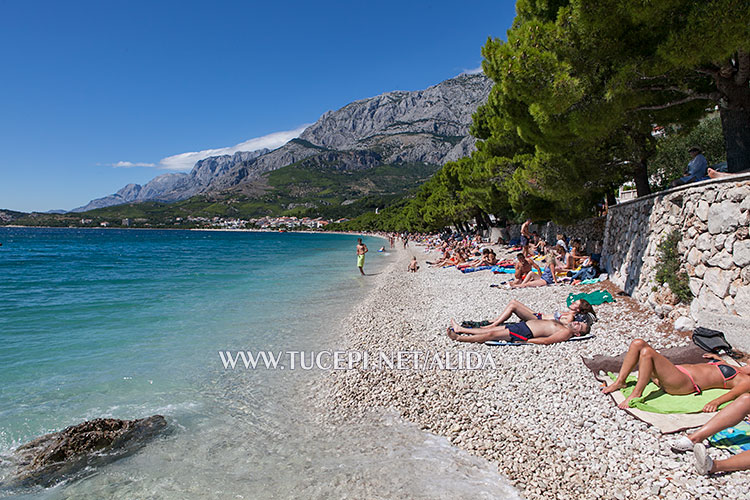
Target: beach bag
{"x":712,"y":341}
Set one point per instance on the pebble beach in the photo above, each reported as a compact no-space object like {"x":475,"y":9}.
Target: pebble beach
{"x":539,"y":413}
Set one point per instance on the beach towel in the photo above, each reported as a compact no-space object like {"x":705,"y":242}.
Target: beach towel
{"x":473,"y":269}
{"x":503,"y":270}
{"x":590,"y":281}
{"x":735,"y":439}
{"x":594,"y":298}
{"x":507,"y":342}
{"x":655,"y":400}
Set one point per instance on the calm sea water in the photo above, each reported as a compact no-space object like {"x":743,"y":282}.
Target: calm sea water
{"x":128,"y":323}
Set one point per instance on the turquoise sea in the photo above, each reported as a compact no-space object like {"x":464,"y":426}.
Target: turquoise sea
{"x":129,"y":323}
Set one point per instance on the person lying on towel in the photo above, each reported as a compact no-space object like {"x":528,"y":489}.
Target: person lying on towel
{"x":580,"y":310}
{"x":679,"y":379}
{"x":729,"y":416}
{"x":536,"y":331}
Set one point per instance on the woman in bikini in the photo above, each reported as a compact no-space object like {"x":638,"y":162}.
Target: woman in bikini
{"x":680,"y":379}
{"x":580,"y":308}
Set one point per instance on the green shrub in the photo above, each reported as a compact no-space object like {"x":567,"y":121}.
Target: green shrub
{"x":668,"y":268}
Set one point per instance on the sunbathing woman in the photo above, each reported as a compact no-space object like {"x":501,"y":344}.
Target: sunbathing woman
{"x":679,"y":379}
{"x":580,"y":309}
{"x":544,"y":278}
{"x":729,"y":416}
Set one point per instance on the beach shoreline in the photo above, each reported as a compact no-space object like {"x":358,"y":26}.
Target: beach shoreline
{"x":539,"y":414}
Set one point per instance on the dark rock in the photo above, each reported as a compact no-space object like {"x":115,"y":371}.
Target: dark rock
{"x":53,"y":457}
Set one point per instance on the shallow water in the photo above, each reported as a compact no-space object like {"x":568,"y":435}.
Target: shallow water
{"x":127,"y":323}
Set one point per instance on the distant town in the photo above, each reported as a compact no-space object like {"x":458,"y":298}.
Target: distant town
{"x":264,"y":223}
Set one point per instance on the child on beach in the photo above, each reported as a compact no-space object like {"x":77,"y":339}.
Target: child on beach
{"x":413,"y":266}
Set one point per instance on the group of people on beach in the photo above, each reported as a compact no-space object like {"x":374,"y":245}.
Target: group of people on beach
{"x":576,"y":321}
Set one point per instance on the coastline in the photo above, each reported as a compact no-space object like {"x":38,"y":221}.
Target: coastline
{"x":539,"y":415}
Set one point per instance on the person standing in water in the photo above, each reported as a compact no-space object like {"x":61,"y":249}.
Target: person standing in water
{"x":361,"y":251}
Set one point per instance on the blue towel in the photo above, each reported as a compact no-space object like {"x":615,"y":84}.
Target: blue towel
{"x":735,"y":439}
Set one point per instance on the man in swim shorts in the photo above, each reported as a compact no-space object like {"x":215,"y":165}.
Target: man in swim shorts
{"x":361,"y":251}
{"x":536,"y":331}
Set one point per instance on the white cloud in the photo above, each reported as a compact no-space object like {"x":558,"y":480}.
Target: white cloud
{"x":474,"y":71}
{"x":186,"y":161}
{"x":129,"y":164}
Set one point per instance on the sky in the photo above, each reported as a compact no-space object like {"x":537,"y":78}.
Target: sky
{"x":95,"y":95}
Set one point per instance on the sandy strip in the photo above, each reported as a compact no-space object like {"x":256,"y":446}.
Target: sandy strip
{"x":539,"y":414}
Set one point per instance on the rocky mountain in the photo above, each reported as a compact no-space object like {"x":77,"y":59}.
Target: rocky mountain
{"x":174,"y":186}
{"x":428,"y":127}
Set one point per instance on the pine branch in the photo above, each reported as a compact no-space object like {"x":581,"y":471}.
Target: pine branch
{"x":690,"y":98}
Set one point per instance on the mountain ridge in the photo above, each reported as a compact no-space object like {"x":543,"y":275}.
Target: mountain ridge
{"x":429,"y":126}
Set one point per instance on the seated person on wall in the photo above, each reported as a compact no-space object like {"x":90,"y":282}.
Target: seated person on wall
{"x":729,"y":416}
{"x":679,"y":379}
{"x":697,"y":169}
{"x":536,"y":331}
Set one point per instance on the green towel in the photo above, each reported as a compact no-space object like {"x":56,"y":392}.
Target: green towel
{"x":655,"y":400}
{"x":594,"y":298}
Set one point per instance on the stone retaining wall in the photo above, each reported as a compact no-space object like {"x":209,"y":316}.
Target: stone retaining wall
{"x":590,"y":232}
{"x":712,"y":217}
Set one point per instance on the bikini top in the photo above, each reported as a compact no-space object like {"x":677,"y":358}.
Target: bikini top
{"x":727,"y":373}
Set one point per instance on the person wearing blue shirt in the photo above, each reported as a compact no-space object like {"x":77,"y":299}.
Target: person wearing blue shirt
{"x":697,"y":169}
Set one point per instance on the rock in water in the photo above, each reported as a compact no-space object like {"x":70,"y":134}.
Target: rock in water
{"x":53,"y":457}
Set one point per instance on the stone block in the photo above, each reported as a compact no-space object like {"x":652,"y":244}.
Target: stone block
{"x":718,"y":281}
{"x":722,"y":259}
{"x":701,"y":211}
{"x":723,"y":217}
{"x":700,"y":270}
{"x":745,"y":275}
{"x":742,"y":301}
{"x":739,"y":193}
{"x":745,"y":205}
{"x":719,"y":240}
{"x":704,"y":242}
{"x":729,"y":243}
{"x":695,"y":286}
{"x":694,"y":257}
{"x":684,"y":324}
{"x":710,"y":302}
{"x":741,"y":253}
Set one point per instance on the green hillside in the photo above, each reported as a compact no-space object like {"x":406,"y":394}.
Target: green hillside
{"x":300,"y":189}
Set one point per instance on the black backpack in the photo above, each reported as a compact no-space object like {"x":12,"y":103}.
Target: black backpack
{"x":713,"y":341}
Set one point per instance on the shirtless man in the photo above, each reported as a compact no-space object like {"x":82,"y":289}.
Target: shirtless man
{"x":536,"y":331}
{"x":523,"y":267}
{"x":361,"y":251}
